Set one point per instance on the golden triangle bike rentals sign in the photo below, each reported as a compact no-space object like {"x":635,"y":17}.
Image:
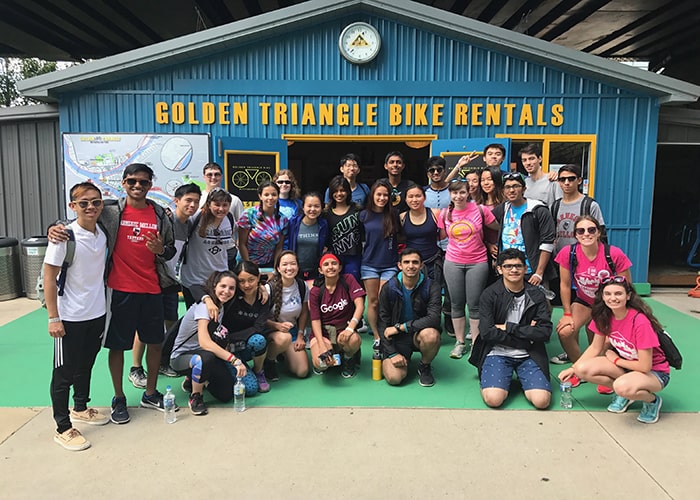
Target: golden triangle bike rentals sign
{"x":246,"y":170}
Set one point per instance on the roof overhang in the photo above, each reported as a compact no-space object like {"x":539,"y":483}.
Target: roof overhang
{"x":135,"y":62}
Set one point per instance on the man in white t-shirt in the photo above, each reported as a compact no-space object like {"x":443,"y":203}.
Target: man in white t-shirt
{"x":539,"y":185}
{"x":77,"y":311}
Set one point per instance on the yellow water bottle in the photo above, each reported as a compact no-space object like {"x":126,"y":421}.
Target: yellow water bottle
{"x":376,"y":365}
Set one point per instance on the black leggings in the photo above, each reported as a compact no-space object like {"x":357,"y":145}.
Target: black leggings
{"x":214,"y":370}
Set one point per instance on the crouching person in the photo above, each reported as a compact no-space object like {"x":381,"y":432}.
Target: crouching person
{"x":514,"y":325}
{"x":409,"y":320}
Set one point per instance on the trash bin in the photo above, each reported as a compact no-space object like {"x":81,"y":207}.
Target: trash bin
{"x":33,"y":251}
{"x":10,"y":277}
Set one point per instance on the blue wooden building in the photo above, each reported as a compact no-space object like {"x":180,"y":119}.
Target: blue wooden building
{"x":282,"y":88}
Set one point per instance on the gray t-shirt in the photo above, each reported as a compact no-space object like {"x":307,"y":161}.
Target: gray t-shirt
{"x":181,"y":230}
{"x":543,"y":190}
{"x":307,"y":247}
{"x":515,"y":313}
{"x":206,"y":255}
{"x":566,"y":215}
{"x":187,"y":334}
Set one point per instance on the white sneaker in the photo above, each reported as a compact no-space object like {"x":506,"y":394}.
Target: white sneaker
{"x":458,"y":350}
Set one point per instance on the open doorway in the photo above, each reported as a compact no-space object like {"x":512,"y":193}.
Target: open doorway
{"x":675,"y":216}
{"x":315,"y":163}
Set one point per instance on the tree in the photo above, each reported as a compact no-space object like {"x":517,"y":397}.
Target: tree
{"x":13,"y":70}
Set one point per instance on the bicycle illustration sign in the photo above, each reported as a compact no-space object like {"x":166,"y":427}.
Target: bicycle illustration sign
{"x":246,"y":170}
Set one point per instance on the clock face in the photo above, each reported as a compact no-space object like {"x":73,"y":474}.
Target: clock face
{"x":359,"y":43}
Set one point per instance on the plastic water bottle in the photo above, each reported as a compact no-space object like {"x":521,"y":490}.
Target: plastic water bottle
{"x":567,"y":400}
{"x":239,"y":395}
{"x":548,"y":294}
{"x":169,"y":406}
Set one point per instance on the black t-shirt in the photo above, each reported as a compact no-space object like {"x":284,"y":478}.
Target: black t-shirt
{"x":344,"y":232}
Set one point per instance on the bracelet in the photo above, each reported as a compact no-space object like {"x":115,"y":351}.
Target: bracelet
{"x":616,"y":360}
{"x":354,"y":319}
{"x":238,"y":362}
{"x":568,"y":314}
{"x":230,"y":358}
{"x":54,"y":320}
{"x":539,"y":276}
{"x":405,"y":327}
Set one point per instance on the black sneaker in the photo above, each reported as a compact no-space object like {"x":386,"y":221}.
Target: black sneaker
{"x":154,"y":401}
{"x":187,"y":385}
{"x":270,"y":369}
{"x":425,"y":375}
{"x":350,"y":366}
{"x":197,"y":406}
{"x":119,"y":415}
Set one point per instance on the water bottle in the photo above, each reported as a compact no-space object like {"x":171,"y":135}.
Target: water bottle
{"x":239,"y":395}
{"x":567,"y":400}
{"x":376,"y":365}
{"x":169,"y":406}
{"x":548,"y":294}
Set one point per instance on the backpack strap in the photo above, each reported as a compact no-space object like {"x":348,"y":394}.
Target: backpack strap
{"x":573,"y":263}
{"x":193,"y":228}
{"x":586,"y":203}
{"x":608,"y":258}
{"x":67,"y":261}
{"x":555,"y":209}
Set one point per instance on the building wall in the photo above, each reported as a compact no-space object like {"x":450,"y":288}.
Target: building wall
{"x":414,"y":67}
{"x":30,"y":170}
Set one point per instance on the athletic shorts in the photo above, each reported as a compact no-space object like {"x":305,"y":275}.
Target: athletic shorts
{"x":171,"y":303}
{"x":497,"y":371}
{"x":132,"y":312}
{"x":404,"y":345}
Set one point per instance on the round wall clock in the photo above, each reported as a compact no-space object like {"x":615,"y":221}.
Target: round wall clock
{"x":359,"y":43}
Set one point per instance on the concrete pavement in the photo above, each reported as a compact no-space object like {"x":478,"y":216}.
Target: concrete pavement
{"x":361,"y":453}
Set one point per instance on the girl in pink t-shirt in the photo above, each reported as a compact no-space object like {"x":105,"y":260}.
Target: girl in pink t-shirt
{"x":625,"y":354}
{"x":466,"y":265}
{"x":591,"y":267}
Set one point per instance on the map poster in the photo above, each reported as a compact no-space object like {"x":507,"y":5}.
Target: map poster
{"x":176,"y":159}
{"x":244,"y":171}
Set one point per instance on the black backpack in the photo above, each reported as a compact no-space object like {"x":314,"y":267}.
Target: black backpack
{"x":573,"y":262}
{"x":672,"y":353}
{"x":586,"y":204}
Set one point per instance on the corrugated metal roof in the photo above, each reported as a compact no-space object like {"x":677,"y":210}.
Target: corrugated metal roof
{"x":48,"y":87}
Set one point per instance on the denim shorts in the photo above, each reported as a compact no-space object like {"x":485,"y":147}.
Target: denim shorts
{"x":497,"y":371}
{"x":385,"y":274}
{"x":663,"y":377}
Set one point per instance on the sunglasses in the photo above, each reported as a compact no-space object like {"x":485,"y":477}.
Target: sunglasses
{"x":458,"y":179}
{"x":436,"y":170}
{"x":84,"y":204}
{"x":613,"y":279}
{"x":583,"y":230}
{"x":564,"y":180}
{"x":513,"y":176}
{"x":284,"y":182}
{"x":508,"y":267}
{"x":141,"y":182}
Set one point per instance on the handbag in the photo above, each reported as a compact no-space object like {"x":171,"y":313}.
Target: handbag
{"x":218,"y":333}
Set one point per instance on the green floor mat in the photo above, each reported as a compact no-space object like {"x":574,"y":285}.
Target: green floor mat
{"x":26,"y":353}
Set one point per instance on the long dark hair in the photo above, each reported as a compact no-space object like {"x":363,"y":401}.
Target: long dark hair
{"x":213,"y":280}
{"x":390,"y":225}
{"x":216,"y":195}
{"x":276,"y":286}
{"x":261,"y":214}
{"x":336,"y":183}
{"x":497,"y":195}
{"x":602,"y":315}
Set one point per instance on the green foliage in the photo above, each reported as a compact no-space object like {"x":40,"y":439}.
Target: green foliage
{"x":13,"y":70}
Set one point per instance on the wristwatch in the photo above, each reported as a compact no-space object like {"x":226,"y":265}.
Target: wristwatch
{"x":398,"y":327}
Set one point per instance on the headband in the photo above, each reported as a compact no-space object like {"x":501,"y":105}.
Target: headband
{"x":327,"y":256}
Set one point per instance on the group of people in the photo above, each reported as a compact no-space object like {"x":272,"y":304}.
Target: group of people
{"x":265,"y":284}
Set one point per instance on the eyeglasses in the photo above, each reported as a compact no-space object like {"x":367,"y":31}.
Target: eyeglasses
{"x":84,"y":204}
{"x":141,"y":182}
{"x":583,"y":230}
{"x":508,"y":267}
{"x":514,"y":176}
{"x":284,"y":182}
{"x":564,"y":180}
{"x":436,"y":170}
{"x":213,"y":174}
{"x":512,"y":187}
{"x":613,"y":279}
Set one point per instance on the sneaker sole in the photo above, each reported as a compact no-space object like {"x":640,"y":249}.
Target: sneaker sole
{"x":137,"y":384}
{"x":348,"y":375}
{"x":119,"y":422}
{"x":623,"y":409}
{"x":199,"y":413}
{"x":658,"y":414}
{"x":150,"y":406}
{"x":556,"y":361}
{"x":66,"y":446}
